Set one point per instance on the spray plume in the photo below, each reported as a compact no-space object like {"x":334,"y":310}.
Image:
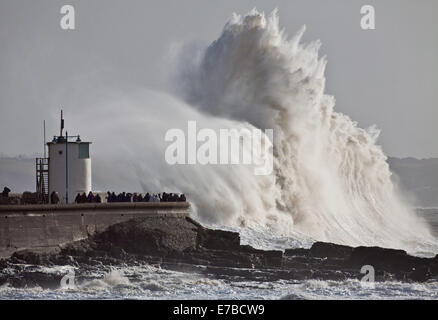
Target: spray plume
{"x":331,"y":180}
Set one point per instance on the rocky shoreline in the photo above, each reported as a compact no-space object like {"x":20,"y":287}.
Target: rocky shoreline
{"x":185,"y":245}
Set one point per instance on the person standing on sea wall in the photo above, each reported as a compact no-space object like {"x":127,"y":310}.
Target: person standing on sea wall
{"x":54,"y":198}
{"x":5,"y":192}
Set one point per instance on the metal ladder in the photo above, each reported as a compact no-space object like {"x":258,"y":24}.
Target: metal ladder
{"x":42,"y":179}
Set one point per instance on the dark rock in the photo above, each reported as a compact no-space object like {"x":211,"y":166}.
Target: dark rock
{"x":296,"y":252}
{"x":118,"y":252}
{"x":34,"y":279}
{"x":3,"y":264}
{"x":215,"y":239}
{"x":420,"y":274}
{"x":62,"y":259}
{"x":380,"y":258}
{"x":273,"y":258}
{"x":30,"y":257}
{"x":185,"y":245}
{"x":330,"y":250}
{"x":146,"y":236}
{"x":218,"y":239}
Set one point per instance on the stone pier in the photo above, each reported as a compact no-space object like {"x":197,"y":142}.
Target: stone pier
{"x":46,"y":227}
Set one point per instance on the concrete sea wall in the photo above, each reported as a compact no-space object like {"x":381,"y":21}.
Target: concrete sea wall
{"x":46,"y":227}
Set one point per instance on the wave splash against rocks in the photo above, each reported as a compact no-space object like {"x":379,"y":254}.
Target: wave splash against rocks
{"x":185,"y":245}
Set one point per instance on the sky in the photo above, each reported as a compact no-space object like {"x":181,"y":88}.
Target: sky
{"x":385,"y":76}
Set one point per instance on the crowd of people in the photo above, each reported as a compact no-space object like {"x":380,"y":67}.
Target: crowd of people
{"x":90,"y":198}
{"x":113,"y":197}
{"x":148,"y":197}
{"x":129,"y":197}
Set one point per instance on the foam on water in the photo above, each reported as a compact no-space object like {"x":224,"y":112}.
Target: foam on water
{"x":146,"y":282}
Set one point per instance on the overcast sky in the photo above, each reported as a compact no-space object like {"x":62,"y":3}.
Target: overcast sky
{"x":385,"y":76}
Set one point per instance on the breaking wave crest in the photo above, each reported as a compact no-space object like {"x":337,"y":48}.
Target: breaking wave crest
{"x":331,"y":180}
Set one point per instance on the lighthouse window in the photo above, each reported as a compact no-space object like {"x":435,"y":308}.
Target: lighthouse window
{"x":84,"y":152}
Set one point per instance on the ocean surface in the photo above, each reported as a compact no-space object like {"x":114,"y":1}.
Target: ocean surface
{"x":145,"y":281}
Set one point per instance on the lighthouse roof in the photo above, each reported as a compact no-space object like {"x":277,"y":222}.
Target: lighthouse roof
{"x":71,"y":139}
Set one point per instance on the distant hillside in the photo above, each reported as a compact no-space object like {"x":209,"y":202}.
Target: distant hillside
{"x":418,"y":177}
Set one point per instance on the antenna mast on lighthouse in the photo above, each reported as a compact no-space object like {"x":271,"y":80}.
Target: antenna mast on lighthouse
{"x":44,"y":146}
{"x":62,"y":124}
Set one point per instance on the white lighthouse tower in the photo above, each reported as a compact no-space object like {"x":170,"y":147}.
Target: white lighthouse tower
{"x":69,"y":166}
